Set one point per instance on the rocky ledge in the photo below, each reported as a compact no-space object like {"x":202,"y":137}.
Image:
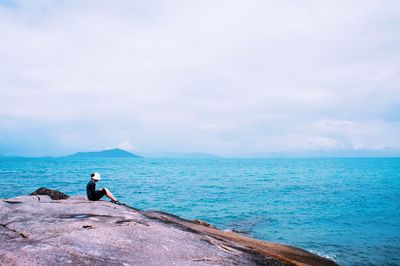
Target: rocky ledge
{"x":39,"y":230}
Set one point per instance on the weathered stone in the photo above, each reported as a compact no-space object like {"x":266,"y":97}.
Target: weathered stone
{"x":203,"y":223}
{"x":36,"y":230}
{"x":53,"y":194}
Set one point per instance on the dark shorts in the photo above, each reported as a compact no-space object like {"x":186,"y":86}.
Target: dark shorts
{"x":98,"y":194}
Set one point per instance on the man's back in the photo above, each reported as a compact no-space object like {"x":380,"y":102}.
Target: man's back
{"x":90,"y":189}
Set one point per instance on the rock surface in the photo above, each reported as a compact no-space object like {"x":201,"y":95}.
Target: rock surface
{"x":36,"y":230}
{"x":53,"y":194}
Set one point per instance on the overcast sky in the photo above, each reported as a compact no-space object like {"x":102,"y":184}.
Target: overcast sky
{"x":233,"y":78}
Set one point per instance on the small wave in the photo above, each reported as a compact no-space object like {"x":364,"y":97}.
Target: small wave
{"x":322,"y":254}
{"x":242,"y":232}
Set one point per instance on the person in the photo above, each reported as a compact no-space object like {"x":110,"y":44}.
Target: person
{"x":94,"y":194}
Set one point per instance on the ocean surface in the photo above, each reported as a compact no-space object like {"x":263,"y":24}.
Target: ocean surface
{"x":347,"y":209}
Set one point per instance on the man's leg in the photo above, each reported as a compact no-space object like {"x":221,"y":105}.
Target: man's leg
{"x":109,"y":194}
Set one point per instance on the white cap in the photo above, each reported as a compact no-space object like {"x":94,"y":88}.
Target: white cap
{"x":96,"y":176}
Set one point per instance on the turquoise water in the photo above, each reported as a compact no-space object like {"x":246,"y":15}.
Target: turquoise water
{"x":346,"y":209}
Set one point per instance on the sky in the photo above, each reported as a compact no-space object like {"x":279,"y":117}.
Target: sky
{"x":232,"y":78}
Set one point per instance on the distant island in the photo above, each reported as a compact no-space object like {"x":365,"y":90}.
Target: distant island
{"x":188,"y":155}
{"x":112,"y":153}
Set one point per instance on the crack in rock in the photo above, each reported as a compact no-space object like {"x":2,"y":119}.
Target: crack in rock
{"x":15,"y":231}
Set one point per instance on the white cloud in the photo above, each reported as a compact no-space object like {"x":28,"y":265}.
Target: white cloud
{"x":126,"y":145}
{"x":372,"y":135}
{"x":212,"y":76}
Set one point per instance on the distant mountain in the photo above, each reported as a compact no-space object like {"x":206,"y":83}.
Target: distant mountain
{"x":199,"y":155}
{"x":113,"y":153}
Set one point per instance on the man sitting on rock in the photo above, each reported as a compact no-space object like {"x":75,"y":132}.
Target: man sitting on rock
{"x":94,"y":194}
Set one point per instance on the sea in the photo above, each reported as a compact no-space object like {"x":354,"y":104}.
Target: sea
{"x":346,"y":209}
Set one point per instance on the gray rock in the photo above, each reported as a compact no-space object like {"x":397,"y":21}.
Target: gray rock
{"x":36,"y":230}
